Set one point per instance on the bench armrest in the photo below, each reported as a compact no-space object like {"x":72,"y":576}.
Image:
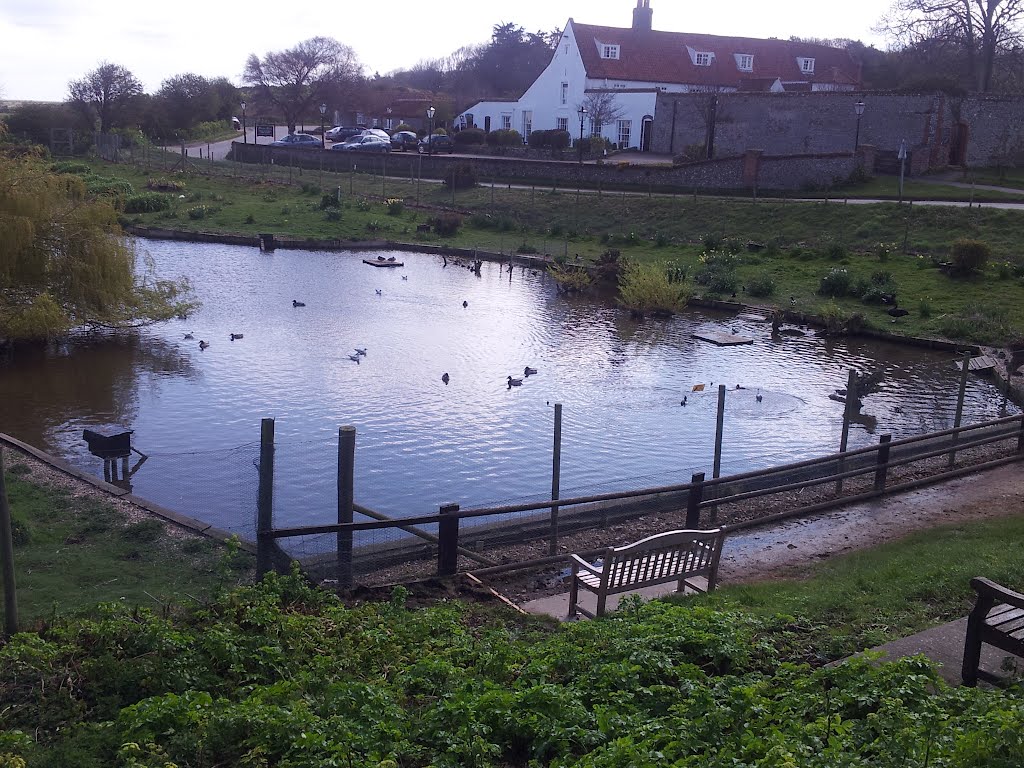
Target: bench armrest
{"x":986,"y":588}
{"x":578,"y":563}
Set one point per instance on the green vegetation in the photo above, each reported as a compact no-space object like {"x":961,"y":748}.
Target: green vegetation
{"x":793,"y":245}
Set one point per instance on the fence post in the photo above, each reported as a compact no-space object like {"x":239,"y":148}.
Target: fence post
{"x":556,"y":475}
{"x":958,"y":419}
{"x":882,"y":462}
{"x":7,"y":555}
{"x":719,"y":426}
{"x":1020,"y":436}
{"x":346,"y":498}
{"x":448,"y":540}
{"x":693,"y":500}
{"x":265,"y":500}
{"x":851,"y":398}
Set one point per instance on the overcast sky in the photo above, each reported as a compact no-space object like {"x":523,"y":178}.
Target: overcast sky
{"x":46,"y":43}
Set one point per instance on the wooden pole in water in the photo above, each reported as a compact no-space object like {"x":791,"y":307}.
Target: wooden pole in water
{"x":851,"y":397}
{"x":265,"y":499}
{"x":958,"y":419}
{"x":556,"y":475}
{"x":346,"y":498}
{"x":719,"y":427}
{"x":7,"y":550}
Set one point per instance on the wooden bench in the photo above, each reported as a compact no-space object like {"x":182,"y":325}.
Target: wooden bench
{"x":997,"y":619}
{"x":679,"y":556}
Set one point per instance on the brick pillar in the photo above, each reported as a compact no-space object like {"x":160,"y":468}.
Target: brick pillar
{"x":751,"y":166}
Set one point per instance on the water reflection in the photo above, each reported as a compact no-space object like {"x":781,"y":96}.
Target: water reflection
{"x":423,"y":441}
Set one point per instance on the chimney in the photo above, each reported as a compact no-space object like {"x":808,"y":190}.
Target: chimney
{"x":643,"y":16}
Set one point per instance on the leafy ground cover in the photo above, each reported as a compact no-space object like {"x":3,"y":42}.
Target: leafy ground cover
{"x":890,"y":252}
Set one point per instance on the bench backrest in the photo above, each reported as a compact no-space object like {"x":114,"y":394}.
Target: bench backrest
{"x":663,"y":557}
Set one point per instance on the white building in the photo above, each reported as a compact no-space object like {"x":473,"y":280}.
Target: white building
{"x":632,"y":65}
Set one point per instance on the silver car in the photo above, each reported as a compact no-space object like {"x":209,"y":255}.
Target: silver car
{"x":298,"y":141}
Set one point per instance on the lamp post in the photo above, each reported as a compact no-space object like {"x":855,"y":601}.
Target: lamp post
{"x":430,"y":129}
{"x":387,"y":120}
{"x":583,"y":114}
{"x":323,"y":111}
{"x":245,"y":137}
{"x":859,"y":109}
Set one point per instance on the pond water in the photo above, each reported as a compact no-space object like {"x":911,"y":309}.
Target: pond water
{"x":421,"y":443}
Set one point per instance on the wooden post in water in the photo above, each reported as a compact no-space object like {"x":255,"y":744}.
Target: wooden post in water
{"x":851,"y":398}
{"x":556,"y":475}
{"x":7,"y":555}
{"x":346,"y":499}
{"x":719,"y":427}
{"x":1020,"y":436}
{"x":964,"y":370}
{"x":265,"y":500}
{"x":882,"y":461}
{"x":693,"y":500}
{"x":448,"y":540}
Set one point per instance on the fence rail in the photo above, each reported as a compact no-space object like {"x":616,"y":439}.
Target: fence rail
{"x":547,"y":519}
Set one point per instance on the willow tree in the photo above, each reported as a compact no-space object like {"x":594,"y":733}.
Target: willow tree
{"x":65,"y":263}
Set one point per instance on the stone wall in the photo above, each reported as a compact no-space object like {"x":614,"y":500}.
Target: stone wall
{"x":995,"y":129}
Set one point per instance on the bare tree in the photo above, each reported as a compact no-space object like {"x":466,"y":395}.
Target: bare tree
{"x":602,"y":108}
{"x":296,"y":79}
{"x":980,"y":29}
{"x":108,"y":94}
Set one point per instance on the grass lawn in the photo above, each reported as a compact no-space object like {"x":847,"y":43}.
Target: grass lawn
{"x":898,"y":245}
{"x":73,"y":552}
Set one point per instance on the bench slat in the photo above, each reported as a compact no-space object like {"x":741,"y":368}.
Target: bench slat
{"x":1000,"y":624}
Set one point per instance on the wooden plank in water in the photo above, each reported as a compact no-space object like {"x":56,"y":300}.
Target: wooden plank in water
{"x":982,"y":363}
{"x":722,"y":339}
{"x":752,"y":318}
{"x":375,"y":263}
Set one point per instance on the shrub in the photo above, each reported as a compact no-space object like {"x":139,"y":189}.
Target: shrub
{"x":969,"y":256}
{"x":447,"y":224}
{"x":146,"y":202}
{"x":310,"y":189}
{"x":525,"y":247}
{"x":645,"y":289}
{"x":610,"y":266}
{"x":835,"y":251}
{"x":334,"y":214}
{"x":198,"y":212}
{"x":70,"y":166}
{"x":761,"y":285}
{"x":506,"y":137}
{"x":711,"y":242}
{"x":104,"y":185}
{"x":550,"y":139}
{"x":924,"y":308}
{"x":395,"y":206}
{"x":461,"y":175}
{"x":329,"y":201}
{"x":403,"y":127}
{"x":717,"y":272}
{"x":469,"y":137}
{"x":836,"y":283}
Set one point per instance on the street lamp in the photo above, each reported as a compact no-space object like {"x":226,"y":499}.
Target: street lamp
{"x":859,"y":109}
{"x":245,"y":138}
{"x":430,"y":129}
{"x":387,"y":120}
{"x":583,"y":114}
{"x":323,"y":111}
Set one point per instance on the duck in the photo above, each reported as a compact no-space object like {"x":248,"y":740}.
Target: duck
{"x":235,"y":336}
{"x":465,"y":304}
{"x":514,"y":382}
{"x":203,"y":344}
{"x":297,"y":303}
{"x":758,"y":396}
{"x":405,"y":277}
{"x":445,"y":377}
{"x":392,"y":258}
{"x":528,"y":371}
{"x":354,"y":358}
{"x":360,"y":352}
{"x":379,"y":292}
{"x":683,"y":401}
{"x":897,"y":311}
{"x":189,"y":336}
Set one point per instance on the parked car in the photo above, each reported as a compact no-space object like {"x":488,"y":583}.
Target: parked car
{"x":404,"y":140}
{"x":342,"y":132}
{"x":439,"y":142}
{"x":364,"y":144}
{"x":380,"y":133}
{"x":298,"y":141}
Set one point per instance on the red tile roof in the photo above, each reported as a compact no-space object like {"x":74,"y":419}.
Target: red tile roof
{"x":662,"y":57}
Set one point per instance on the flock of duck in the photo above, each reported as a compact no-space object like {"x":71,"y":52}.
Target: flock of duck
{"x":511,"y":380}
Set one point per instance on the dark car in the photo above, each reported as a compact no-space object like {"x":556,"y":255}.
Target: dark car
{"x":342,"y":132}
{"x":439,"y":142}
{"x":364,"y":144}
{"x":404,"y":140}
{"x":297,"y":141}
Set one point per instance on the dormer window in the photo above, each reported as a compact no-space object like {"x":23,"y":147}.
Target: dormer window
{"x":806,"y":65}
{"x":744,"y":62}
{"x":703,"y":58}
{"x":608,"y":50}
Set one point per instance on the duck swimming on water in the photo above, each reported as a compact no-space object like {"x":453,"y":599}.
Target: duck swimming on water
{"x":528,"y":371}
{"x":203,"y":344}
{"x":189,"y":336}
{"x":445,"y":378}
{"x":297,"y":303}
{"x":514,"y":382}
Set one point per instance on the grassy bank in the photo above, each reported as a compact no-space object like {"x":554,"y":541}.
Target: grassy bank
{"x":73,"y":550}
{"x":897,"y":248}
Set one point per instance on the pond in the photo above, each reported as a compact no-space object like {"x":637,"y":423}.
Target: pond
{"x":422,"y":442}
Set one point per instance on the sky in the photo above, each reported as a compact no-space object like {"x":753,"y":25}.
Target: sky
{"x":44,"y":44}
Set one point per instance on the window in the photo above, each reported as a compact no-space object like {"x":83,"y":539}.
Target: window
{"x":527,"y":124}
{"x":506,"y":122}
{"x":625,"y":127}
{"x":806,"y":65}
{"x":469,"y":120}
{"x":744,"y":62}
{"x":609,"y":51}
{"x":595,"y":127}
{"x":562,"y":123}
{"x":565,"y":93}
{"x":703,"y":58}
